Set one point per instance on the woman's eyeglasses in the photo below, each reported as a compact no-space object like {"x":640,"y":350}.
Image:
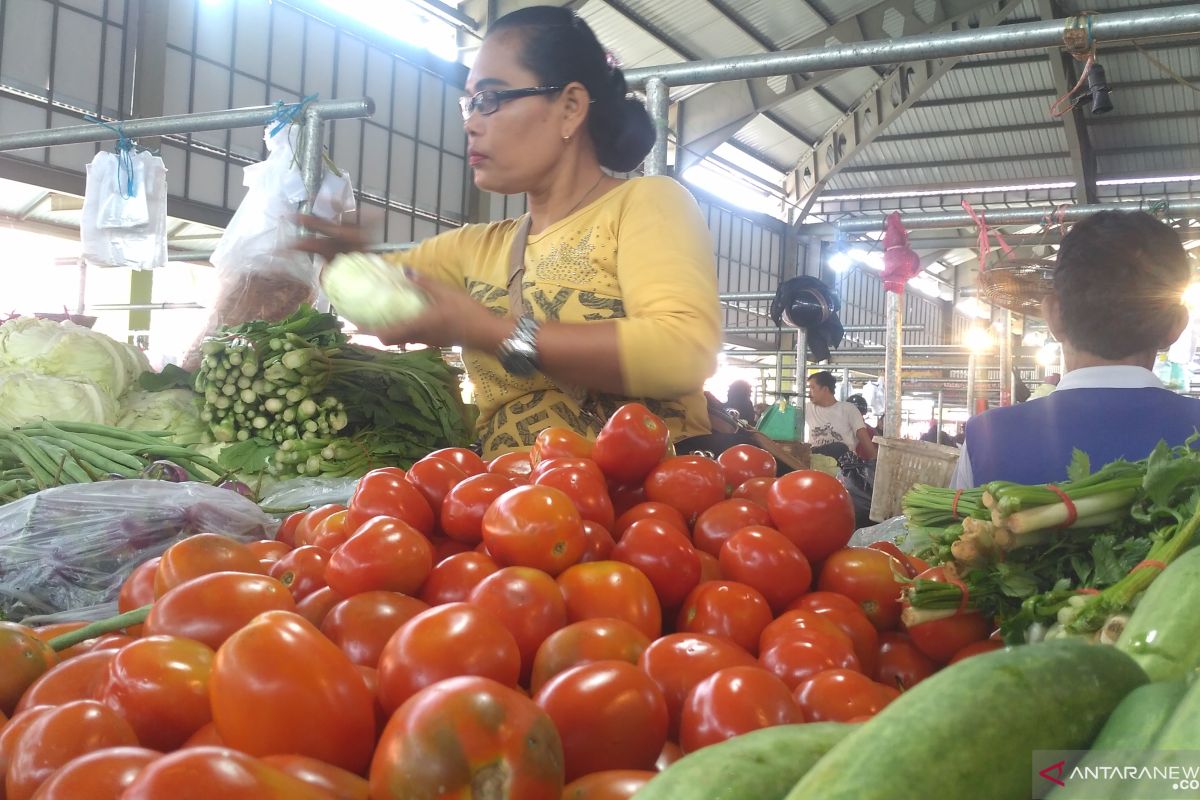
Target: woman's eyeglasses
{"x":488,"y":101}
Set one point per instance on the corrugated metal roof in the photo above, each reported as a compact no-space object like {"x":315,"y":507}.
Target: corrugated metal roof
{"x":979,"y":81}
{"x":807,"y":112}
{"x":850,"y":86}
{"x":1014,"y":144}
{"x":969,"y":117}
{"x":633,"y":46}
{"x":700,"y":27}
{"x":1149,"y":163}
{"x":785,"y":23}
{"x":1031,"y":170}
{"x":764,"y":136}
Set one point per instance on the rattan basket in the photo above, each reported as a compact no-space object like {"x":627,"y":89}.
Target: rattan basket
{"x":1018,"y":286}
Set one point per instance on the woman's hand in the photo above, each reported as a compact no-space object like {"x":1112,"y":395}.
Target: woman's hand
{"x":451,"y":317}
{"x":332,"y":238}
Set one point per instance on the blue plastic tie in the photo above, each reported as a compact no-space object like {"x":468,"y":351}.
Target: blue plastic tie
{"x":128,"y":187}
{"x":285,"y":113}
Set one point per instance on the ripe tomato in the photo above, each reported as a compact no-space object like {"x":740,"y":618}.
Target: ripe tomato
{"x":671,"y":753}
{"x":464,"y":505}
{"x":287,"y":528}
{"x":840,"y":695}
{"x":464,"y":733}
{"x":611,"y":784}
{"x":138,"y":590}
{"x":688,"y":483}
{"x":202,"y":554}
{"x":611,"y":589}
{"x":801,"y":619}
{"x":466,"y":460}
{"x":868,"y":578}
{"x":78,"y":678}
{"x":584,"y":642}
{"x":679,"y":661}
{"x":940,"y":639}
{"x":849,"y":616}
{"x":315,"y":606}
{"x":648,"y":509}
{"x":717,"y":524}
{"x":559,"y":442}
{"x":159,"y":684}
{"x":664,"y":555}
{"x":631,"y":443}
{"x":434,"y":478}
{"x":268,"y":551}
{"x":625,"y":497}
{"x":207,"y":736}
{"x":12,"y":731}
{"x":338,"y":782}
{"x":586,"y":491}
{"x":975,"y":648}
{"x":906,"y":564}
{"x":597,"y":542}
{"x":813,"y":510}
{"x":385,"y":493}
{"x":745,"y":461}
{"x":710,"y":567}
{"x":206,"y":772}
{"x":452,"y":580}
{"x":900,"y":664}
{"x":755,"y":490}
{"x":362,"y":624}
{"x":212,"y":607}
{"x":610,"y":715}
{"x":444,"y":547}
{"x":98,"y":775}
{"x":515,"y":466}
{"x":25,"y":658}
{"x":302,"y":571}
{"x":384,"y":554}
{"x":585,"y":464}
{"x":534,"y":526}
{"x":530,"y":605}
{"x":733,"y":701}
{"x":728,"y":609}
{"x":330,"y":532}
{"x":322,"y":709}
{"x":57,"y":737}
{"x":308,"y":523}
{"x":444,"y":642}
{"x":801,"y":653}
{"x":766,"y":560}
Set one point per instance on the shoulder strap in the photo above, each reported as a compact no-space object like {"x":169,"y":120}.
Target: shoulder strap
{"x":516,"y":268}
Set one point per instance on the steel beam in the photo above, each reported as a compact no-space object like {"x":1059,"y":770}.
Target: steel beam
{"x":1079,"y":144}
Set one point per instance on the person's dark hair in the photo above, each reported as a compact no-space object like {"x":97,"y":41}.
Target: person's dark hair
{"x":859,"y":402}
{"x":824,"y":378}
{"x":1119,"y":280}
{"x":739,"y":389}
{"x":559,"y":48}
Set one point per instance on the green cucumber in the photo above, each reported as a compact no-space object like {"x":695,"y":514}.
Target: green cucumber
{"x":970,"y":730}
{"x":762,"y":765}
{"x":1163,"y":633}
{"x":1134,"y":725}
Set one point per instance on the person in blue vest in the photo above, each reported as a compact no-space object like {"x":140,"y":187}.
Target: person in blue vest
{"x":1117,"y":300}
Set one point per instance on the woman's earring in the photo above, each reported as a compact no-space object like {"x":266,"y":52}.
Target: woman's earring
{"x":566,"y":139}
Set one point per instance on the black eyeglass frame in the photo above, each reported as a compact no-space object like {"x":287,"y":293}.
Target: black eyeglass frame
{"x":481,"y":101}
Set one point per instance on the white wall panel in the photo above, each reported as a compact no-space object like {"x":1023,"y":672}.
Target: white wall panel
{"x":26,"y":45}
{"x":77,"y":59}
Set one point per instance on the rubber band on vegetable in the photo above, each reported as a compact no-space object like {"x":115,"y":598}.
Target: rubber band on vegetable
{"x":1072,"y":512}
{"x":954,"y":504}
{"x":965,"y":593}
{"x":1087,"y":591}
{"x":1150,"y":562}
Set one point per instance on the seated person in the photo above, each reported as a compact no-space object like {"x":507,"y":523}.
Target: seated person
{"x":834,"y":427}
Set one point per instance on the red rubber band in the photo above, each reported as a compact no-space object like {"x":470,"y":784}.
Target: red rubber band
{"x":1150,"y":562}
{"x":954,"y":505}
{"x":1072,"y":512}
{"x":1087,"y":591}
{"x":966,"y":593}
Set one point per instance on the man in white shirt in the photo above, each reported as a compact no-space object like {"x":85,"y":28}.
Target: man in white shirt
{"x":831,"y":424}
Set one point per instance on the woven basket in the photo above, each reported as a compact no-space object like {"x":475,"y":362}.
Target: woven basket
{"x":900,"y":465}
{"x":1018,"y":286}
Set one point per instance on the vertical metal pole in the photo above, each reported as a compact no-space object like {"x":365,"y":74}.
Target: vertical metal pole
{"x":972,"y":366}
{"x":845,"y":383}
{"x":658,"y":103}
{"x":1005,"y":355}
{"x":941,"y":415}
{"x":801,"y":377}
{"x":893,"y":343}
{"x":311,"y":168}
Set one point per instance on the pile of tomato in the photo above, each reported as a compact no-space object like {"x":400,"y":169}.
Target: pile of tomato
{"x":580,"y":614}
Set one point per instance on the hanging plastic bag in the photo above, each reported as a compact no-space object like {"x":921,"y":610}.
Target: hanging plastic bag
{"x":125,"y":210}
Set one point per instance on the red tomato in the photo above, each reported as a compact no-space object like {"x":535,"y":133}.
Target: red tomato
{"x":907,"y":567}
{"x":329,"y":533}
{"x":202,"y":554}
{"x":315,"y":606}
{"x":664,"y":555}
{"x":57,"y":737}
{"x":302,"y":571}
{"x":745,"y":461}
{"x":212,"y":607}
{"x":631,"y":443}
{"x":159,"y":684}
{"x":940,"y":639}
{"x":384,"y":554}
{"x":611,"y":784}
{"x":322,"y":709}
{"x":287,"y":528}
{"x":12,"y":731}
{"x":585,"y":642}
{"x":434,"y":478}
{"x":610,"y":715}
{"x":138,"y":591}
{"x":559,"y":442}
{"x":690,"y":484}
{"x":611,"y":589}
{"x":728,"y":609}
{"x":868,"y":578}
{"x":384,"y":493}
{"x":452,"y":580}
{"x":801,"y":619}
{"x":444,"y":547}
{"x":466,"y":460}
{"x":338,"y":782}
{"x":587,"y":492}
{"x":534,"y":526}
{"x":207,"y":736}
{"x":813,"y":510}
{"x":585,"y":464}
{"x":766,"y":560}
{"x":626,"y":497}
{"x":444,"y":642}
{"x":660,"y":512}
{"x":310,"y":520}
{"x":717,"y":524}
{"x":670,"y":754}
{"x":849,"y":616}
{"x":268,"y":551}
{"x":498,"y":735}
{"x":464,"y":506}
{"x":800,"y":654}
{"x":597,"y":542}
{"x":755,"y":490}
{"x":206,"y":772}
{"x":900,"y":663}
{"x":361,"y":625}
{"x":25,"y":658}
{"x":514,"y":466}
{"x":76,"y":679}
{"x":679,"y":661}
{"x":98,"y":775}
{"x":975,"y":648}
{"x":710,"y":567}
{"x":733,"y":701}
{"x":840,"y":695}
{"x":530,"y":605}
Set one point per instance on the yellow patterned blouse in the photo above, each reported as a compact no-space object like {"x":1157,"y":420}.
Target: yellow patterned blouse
{"x":640,"y":254}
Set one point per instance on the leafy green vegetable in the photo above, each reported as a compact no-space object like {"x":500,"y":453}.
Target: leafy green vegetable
{"x":250,"y":457}
{"x":171,"y":377}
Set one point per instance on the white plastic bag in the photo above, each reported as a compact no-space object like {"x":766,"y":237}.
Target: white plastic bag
{"x":125,"y":210}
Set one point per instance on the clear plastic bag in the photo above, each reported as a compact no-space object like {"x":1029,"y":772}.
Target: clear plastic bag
{"x":298,"y":493}
{"x":124,"y":220}
{"x":68,"y":550}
